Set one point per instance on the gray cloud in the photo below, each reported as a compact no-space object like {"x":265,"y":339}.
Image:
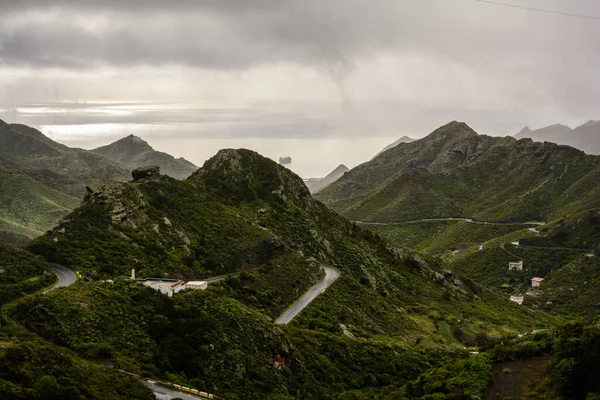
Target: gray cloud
{"x":520,"y":61}
{"x":244,"y":33}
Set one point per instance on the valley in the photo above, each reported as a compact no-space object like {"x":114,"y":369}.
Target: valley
{"x":307,"y":301}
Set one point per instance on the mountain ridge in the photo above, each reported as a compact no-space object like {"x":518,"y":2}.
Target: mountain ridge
{"x":454,"y":172}
{"x":134,"y":152}
{"x":585,"y":137}
{"x":45,"y":180}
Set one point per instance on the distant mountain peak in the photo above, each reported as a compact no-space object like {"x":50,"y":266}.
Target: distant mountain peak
{"x":333,"y":176}
{"x":135,"y":141}
{"x":341,"y":167}
{"x":561,"y":126}
{"x":135,"y":152}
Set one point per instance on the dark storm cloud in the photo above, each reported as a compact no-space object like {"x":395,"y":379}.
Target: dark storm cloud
{"x":238,"y":34}
{"x":214,"y":34}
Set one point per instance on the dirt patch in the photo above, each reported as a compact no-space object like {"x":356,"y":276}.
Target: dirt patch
{"x":517,"y":378}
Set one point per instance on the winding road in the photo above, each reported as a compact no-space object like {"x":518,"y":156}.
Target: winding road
{"x":65,"y":278}
{"x":469,"y":220}
{"x":331,"y":274}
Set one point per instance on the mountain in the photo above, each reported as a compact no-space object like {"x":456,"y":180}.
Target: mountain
{"x":42,"y":180}
{"x":333,"y":176}
{"x":394,"y":325}
{"x":243,"y":212}
{"x":134,"y":152}
{"x":29,"y":208}
{"x":403,"y":139}
{"x":28,"y":151}
{"x":585,"y":137}
{"x":454,"y":172}
{"x":388,"y":317}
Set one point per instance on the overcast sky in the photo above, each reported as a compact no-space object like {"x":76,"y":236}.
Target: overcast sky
{"x":324,"y":81}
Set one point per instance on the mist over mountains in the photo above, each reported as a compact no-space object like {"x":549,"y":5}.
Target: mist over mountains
{"x":585,"y":137}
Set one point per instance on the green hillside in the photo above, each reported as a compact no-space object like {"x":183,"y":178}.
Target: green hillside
{"x":454,"y":172}
{"x":41,"y":180}
{"x":32,"y":368}
{"x":22,"y":273}
{"x":28,"y":151}
{"x":29,"y":208}
{"x":243,"y":212}
{"x":389,"y":317}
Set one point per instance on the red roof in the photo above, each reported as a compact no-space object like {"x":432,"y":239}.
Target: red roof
{"x":179,"y":282}
{"x":536,"y":279}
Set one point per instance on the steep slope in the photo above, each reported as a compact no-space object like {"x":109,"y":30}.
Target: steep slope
{"x":333,"y":176}
{"x":28,"y":208}
{"x":67,"y":170}
{"x":454,"y":172}
{"x":134,"y":152}
{"x":585,"y":137}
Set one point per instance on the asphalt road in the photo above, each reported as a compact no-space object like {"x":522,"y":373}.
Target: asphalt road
{"x":330,"y":276}
{"x":65,"y":278}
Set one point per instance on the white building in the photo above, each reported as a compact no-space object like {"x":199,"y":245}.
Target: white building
{"x":515,"y":266}
{"x":535,"y":282}
{"x":202,"y":285}
{"x":517,"y":299}
{"x":166,"y":286}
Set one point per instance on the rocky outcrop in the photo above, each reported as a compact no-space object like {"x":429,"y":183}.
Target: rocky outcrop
{"x":247,"y":176}
{"x":145,"y":172}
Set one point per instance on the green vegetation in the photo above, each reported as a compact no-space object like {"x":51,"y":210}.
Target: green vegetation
{"x":440,"y":237}
{"x":22,"y":273}
{"x":27,"y":151}
{"x":243,"y":212}
{"x":29,"y":208}
{"x":454,"y":172}
{"x":572,"y":289}
{"x":466,"y":378}
{"x":31,"y":368}
{"x":394,"y":325}
{"x":210,"y":341}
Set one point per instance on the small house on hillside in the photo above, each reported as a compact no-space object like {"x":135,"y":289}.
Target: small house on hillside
{"x":535,"y":282}
{"x":515,"y":266}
